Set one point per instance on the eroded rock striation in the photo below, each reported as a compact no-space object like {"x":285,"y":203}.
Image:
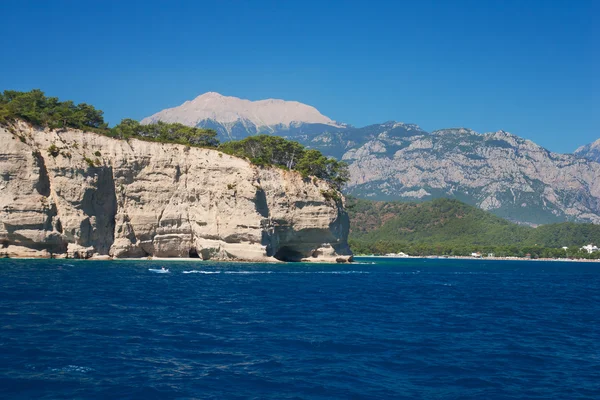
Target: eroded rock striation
{"x":75,"y":194}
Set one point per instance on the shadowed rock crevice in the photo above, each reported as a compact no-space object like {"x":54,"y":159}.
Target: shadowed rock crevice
{"x":206,"y":254}
{"x":262,"y":206}
{"x":177,"y":174}
{"x":100,"y":204}
{"x":267,"y":241}
{"x":193,"y":253}
{"x":43,"y":184}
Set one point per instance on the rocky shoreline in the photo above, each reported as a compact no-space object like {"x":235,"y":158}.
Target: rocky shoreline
{"x":36,"y":255}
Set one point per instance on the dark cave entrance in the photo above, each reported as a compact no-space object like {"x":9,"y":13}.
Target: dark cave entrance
{"x":193,"y":253}
{"x":288,"y":254}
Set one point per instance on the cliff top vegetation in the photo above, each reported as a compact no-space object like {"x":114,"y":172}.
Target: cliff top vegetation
{"x":39,"y":110}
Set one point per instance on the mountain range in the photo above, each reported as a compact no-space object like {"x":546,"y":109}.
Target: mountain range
{"x":590,"y":151}
{"x":497,"y":171}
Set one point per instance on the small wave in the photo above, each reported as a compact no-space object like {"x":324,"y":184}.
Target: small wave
{"x":471,"y":273}
{"x":275,"y":272}
{"x":159,"y":271}
{"x":407,"y":273}
{"x":248,"y":272}
{"x":299,"y":272}
{"x":342,"y":272}
{"x":72,"y":368}
{"x":201,"y":272}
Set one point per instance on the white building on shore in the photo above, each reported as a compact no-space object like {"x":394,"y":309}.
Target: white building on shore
{"x":590,"y":248}
{"x":397,"y":255}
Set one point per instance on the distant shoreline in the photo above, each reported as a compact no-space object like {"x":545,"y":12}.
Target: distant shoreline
{"x":192,"y":260}
{"x":479,"y":258}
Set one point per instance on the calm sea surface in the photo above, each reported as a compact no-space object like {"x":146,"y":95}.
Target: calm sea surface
{"x":378,"y":329}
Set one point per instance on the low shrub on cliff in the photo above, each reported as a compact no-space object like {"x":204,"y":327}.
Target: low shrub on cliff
{"x":37,"y":109}
{"x":330,"y":195}
{"x":48,"y":112}
{"x":276,"y":151}
{"x":165,"y":133}
{"x":53,"y":150}
{"x":88,"y":161}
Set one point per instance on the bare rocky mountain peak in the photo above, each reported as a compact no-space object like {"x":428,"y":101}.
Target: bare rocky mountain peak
{"x":226,"y":112}
{"x":589,"y":151}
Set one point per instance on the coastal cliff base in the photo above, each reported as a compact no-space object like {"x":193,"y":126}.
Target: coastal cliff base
{"x":81,"y":195}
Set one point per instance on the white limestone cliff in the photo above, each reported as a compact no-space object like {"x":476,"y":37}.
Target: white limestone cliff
{"x":98,"y":196}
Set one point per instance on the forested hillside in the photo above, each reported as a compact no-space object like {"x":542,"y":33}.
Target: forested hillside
{"x":449,"y":227}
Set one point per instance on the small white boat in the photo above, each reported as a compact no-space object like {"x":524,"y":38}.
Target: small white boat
{"x":163,"y":270}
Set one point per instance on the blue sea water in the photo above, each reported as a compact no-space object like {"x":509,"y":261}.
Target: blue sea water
{"x":378,"y":329}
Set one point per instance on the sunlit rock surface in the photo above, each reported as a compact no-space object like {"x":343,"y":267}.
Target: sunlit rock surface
{"x":101,"y":196}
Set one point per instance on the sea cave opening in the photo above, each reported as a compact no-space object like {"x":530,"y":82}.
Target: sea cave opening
{"x":193,"y":253}
{"x":288,"y":254}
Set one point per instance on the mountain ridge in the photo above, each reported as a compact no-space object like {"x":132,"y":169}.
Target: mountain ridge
{"x":497,"y":171}
{"x":589,"y":151}
{"x":512,"y":177}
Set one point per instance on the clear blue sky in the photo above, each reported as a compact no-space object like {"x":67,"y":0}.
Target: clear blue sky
{"x":529,"y":67}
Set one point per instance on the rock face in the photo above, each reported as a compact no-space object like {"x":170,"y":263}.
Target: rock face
{"x":499,"y":172}
{"x":76,"y":194}
{"x":235,"y":118}
{"x":590,"y":151}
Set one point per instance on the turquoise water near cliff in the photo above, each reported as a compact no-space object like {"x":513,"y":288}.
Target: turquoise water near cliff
{"x":378,"y":329}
